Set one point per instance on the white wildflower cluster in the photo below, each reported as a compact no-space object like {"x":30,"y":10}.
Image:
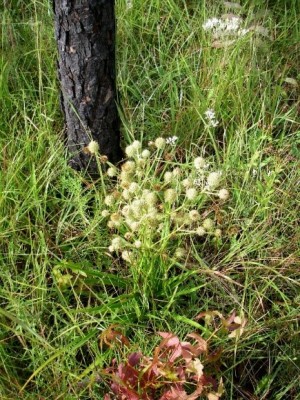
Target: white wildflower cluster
{"x":211,"y":119}
{"x":230,"y":26}
{"x":93,"y":147}
{"x":156,"y":200}
{"x":172,"y":140}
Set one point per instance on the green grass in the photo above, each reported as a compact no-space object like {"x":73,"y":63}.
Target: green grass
{"x":50,"y":219}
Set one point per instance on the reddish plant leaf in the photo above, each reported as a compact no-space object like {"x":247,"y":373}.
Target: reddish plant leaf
{"x":175,"y":354}
{"x":176,"y":392}
{"x":187,"y":351}
{"x":128,"y":374}
{"x":201,"y":343}
{"x":174,"y":364}
{"x":134,"y":359}
{"x":169,"y":339}
{"x":111,"y":336}
{"x":208,"y":381}
{"x":195,"y":395}
{"x":125,"y":393}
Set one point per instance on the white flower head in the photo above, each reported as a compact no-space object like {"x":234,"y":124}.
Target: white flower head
{"x":116,"y":244}
{"x":176,"y":172}
{"x":109,"y":200}
{"x":160,"y":143}
{"x":133,"y":149}
{"x":210,"y":116}
{"x":191,"y":193}
{"x":112,"y":171}
{"x":125,"y":178}
{"x":194,"y":215}
{"x":223,"y":194}
{"x":93,"y":147}
{"x":170,"y":196}
{"x":180,"y":253}
{"x":218,"y":233}
{"x":116,"y":217}
{"x":152,"y":217}
{"x":232,"y":24}
{"x":111,"y":225}
{"x":105,"y":213}
{"x":141,"y":162}
{"x":213,"y":179}
{"x":211,"y":24}
{"x":133,"y":225}
{"x":133,"y":187}
{"x":200,"y":231}
{"x":172,"y":140}
{"x":146,"y":154}
{"x":168,"y":176}
{"x":199,"y":163}
{"x":150,"y":198}
{"x":125,"y":210}
{"x":137,"y":145}
{"x":208,"y":224}
{"x":187,"y":183}
{"x":130,"y":151}
{"x":129,"y":167}
{"x":126,"y":194}
{"x":137,"y":208}
{"x":127,"y":256}
{"x":138,"y":244}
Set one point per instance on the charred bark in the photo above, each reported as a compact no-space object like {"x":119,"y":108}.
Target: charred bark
{"x":85,"y":34}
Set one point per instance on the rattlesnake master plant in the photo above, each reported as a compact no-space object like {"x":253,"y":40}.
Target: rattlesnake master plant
{"x":159,"y":201}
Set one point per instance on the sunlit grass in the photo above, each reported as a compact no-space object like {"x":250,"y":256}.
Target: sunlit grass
{"x":169,"y":75}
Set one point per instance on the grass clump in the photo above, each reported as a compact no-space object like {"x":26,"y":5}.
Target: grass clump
{"x":158,"y":214}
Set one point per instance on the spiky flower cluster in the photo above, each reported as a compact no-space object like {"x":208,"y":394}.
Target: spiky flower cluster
{"x":210,"y":116}
{"x":156,"y":201}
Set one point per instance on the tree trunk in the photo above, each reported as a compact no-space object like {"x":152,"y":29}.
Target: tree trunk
{"x":85,"y":34}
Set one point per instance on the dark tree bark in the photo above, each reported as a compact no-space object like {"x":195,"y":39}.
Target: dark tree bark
{"x":85,"y":34}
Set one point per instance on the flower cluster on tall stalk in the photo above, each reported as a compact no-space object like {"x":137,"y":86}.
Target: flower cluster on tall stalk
{"x":159,"y":199}
{"x":229,"y":28}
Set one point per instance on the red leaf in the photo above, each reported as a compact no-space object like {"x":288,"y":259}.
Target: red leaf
{"x":124,"y":393}
{"x":175,"y":354}
{"x":201,"y":343}
{"x":195,"y":395}
{"x":169,"y":339}
{"x":188,"y":351}
{"x":134,"y":359}
{"x":128,"y":375}
{"x":174,"y":393}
